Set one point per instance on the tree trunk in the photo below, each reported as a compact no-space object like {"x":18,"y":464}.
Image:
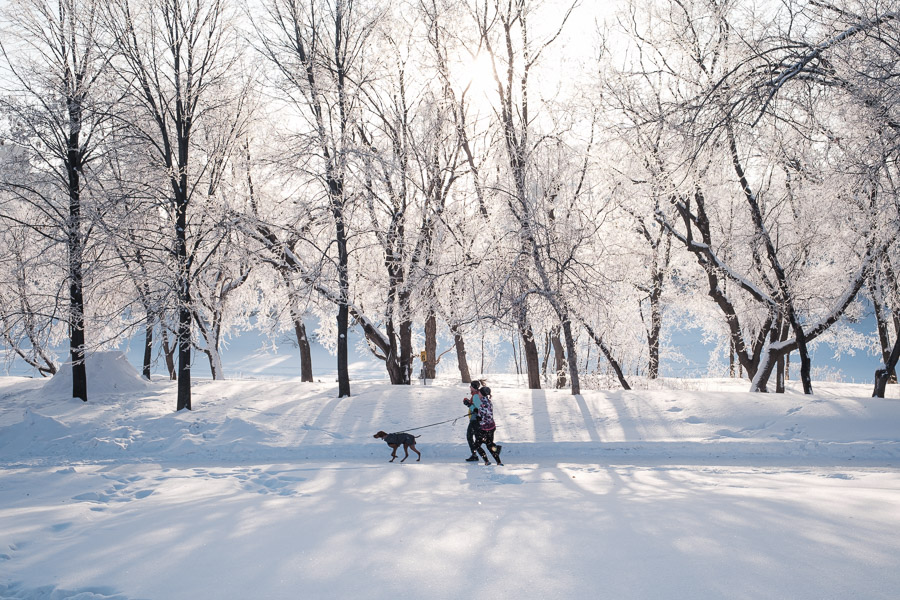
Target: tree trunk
{"x":430,"y":365}
{"x":184,"y":359}
{"x":148,"y":347}
{"x":210,"y":334}
{"x":607,"y":353}
{"x":559,"y":356}
{"x":532,"y":358}
{"x":76,"y":337}
{"x":306,"y":373}
{"x":76,"y":258}
{"x":343,"y":316}
{"x":779,"y":375}
{"x":184,"y":303}
{"x":767,"y":362}
{"x":169,"y":353}
{"x":779,"y":367}
{"x":461,"y":361}
{"x":406,"y":358}
{"x":805,"y":362}
{"x":342,"y":366}
{"x":882,"y":324}
{"x":573,"y":360}
{"x":655,"y":329}
{"x":882,"y":376}
{"x":546,"y":360}
{"x":731,"y":357}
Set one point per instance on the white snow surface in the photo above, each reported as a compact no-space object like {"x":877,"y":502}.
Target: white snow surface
{"x":271,"y":490}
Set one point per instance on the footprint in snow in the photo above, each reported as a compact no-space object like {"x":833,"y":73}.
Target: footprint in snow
{"x":120,"y":491}
{"x":694,"y":420}
{"x":674,"y":409}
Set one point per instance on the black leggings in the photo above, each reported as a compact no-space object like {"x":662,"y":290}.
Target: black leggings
{"x":471,"y":432}
{"x":486,"y":438}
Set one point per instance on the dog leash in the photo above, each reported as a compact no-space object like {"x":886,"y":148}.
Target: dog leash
{"x":433,"y":424}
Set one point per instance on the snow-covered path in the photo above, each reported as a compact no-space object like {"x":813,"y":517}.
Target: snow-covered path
{"x":448,"y":530}
{"x":277,"y":490}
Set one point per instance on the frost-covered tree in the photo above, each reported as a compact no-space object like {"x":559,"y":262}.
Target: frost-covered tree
{"x":57,"y":107}
{"x":747,"y":195}
{"x":514,"y":49}
{"x":318,"y":51}
{"x":177,"y":61}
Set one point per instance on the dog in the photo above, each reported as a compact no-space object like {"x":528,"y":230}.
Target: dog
{"x":395,"y":440}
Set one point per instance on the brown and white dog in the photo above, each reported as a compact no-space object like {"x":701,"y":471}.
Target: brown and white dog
{"x":395,"y":440}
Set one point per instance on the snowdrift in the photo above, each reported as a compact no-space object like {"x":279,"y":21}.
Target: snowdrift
{"x":107,"y":373}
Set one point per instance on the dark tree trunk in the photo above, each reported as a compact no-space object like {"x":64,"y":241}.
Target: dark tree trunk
{"x":184,"y":359}
{"x":882,"y":376}
{"x":532,"y":358}
{"x":461,"y":361}
{"x":882,"y":324}
{"x":184,"y":301}
{"x":430,"y":346}
{"x":805,"y":362}
{"x":169,"y":353}
{"x":546,"y":360}
{"x":731,"y":357}
{"x":406,"y":359}
{"x":336,"y":189}
{"x":653,"y":333}
{"x":76,"y":255}
{"x":573,"y":359}
{"x":390,"y":355}
{"x":76,"y":333}
{"x":148,"y":347}
{"x":306,"y":373}
{"x":607,"y":353}
{"x":342,"y":366}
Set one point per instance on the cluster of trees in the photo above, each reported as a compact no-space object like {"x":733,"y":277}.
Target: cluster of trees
{"x":427,"y":170}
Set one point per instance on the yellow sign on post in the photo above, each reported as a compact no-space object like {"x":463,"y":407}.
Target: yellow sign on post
{"x":423,"y":355}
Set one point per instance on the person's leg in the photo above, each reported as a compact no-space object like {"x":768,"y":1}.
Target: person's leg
{"x":470,"y":438}
{"x":493,"y":448}
{"x":479,"y":439}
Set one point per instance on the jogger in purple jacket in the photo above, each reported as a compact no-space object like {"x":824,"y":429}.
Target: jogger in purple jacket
{"x":486,"y":427}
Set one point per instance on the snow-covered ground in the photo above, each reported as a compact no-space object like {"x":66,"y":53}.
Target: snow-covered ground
{"x":271,"y":490}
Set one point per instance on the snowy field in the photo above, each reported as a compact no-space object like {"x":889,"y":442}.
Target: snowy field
{"x":271,"y":490}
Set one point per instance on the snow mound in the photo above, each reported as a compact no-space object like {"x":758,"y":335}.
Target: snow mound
{"x":107,"y":373}
{"x":34,"y":428}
